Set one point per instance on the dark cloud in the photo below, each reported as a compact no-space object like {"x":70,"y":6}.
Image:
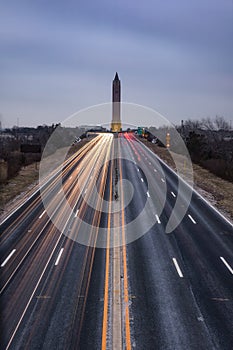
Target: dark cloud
{"x":58,"y":56}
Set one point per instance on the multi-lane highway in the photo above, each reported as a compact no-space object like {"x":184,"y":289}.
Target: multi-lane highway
{"x":162,"y":290}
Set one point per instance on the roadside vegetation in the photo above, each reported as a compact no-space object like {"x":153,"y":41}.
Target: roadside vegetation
{"x":209,"y":142}
{"x":20,"y":186}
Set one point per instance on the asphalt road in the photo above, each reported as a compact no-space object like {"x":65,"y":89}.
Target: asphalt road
{"x":163,"y":290}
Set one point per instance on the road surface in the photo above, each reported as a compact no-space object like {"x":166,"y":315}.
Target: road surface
{"x":161,"y":291}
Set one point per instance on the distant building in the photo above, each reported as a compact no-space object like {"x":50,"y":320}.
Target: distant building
{"x":116,"y":105}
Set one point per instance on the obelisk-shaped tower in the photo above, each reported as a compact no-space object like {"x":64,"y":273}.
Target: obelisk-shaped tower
{"x":116,"y":105}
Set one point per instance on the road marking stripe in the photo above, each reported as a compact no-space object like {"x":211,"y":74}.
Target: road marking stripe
{"x":137,"y":169}
{"x":126,"y":293}
{"x":162,"y":180}
{"x":142,"y":179}
{"x":8,"y":258}
{"x":173,"y":194}
{"x":41,"y":214}
{"x":76,"y":213}
{"x":60,"y":191}
{"x":106,"y":287}
{"x":59,"y":256}
{"x":157,"y":218}
{"x":155,"y":170}
{"x":148,"y":194}
{"x":85,"y":191}
{"x":226,"y":264}
{"x":177,"y":268}
{"x":70,"y":177}
{"x":32,"y":295}
{"x":188,"y":185}
{"x":192,"y":219}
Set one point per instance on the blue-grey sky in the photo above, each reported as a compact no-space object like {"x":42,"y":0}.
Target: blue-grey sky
{"x":59,"y":56}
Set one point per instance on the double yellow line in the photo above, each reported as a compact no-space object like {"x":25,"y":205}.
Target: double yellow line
{"x":106,"y":318}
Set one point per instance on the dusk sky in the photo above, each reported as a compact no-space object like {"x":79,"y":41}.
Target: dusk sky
{"x":58,"y":57}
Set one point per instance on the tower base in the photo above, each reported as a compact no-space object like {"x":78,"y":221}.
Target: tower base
{"x":116,"y":127}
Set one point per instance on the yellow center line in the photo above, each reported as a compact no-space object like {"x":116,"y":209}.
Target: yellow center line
{"x":126,"y":293}
{"x":105,"y":315}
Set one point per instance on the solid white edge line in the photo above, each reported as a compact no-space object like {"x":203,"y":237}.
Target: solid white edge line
{"x":193,"y":189}
{"x":192,"y":219}
{"x":157,"y":218}
{"x":8,"y":258}
{"x":41,"y":214}
{"x":37,"y":284}
{"x":148,"y":194}
{"x":177,"y":267}
{"x":59,"y":256}
{"x":226,"y":264}
{"x":173,"y":194}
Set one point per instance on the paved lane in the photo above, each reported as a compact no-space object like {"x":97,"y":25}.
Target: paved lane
{"x":162,"y":291}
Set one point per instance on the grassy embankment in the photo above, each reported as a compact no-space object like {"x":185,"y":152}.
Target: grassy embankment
{"x":216,"y":190}
{"x":17,"y":189}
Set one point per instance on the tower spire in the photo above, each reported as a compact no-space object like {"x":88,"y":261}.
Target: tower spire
{"x":116,"y":104}
{"x":116,"y":77}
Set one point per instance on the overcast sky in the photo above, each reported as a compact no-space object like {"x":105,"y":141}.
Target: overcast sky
{"x":58,"y":57}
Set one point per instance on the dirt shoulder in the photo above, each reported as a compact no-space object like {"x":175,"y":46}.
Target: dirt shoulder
{"x":216,"y":190}
{"x":19,"y":188}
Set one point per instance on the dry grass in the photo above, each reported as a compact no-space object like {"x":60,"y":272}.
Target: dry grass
{"x":213,"y":188}
{"x":22,"y":185}
{"x":217,"y":191}
{"x":17,"y":187}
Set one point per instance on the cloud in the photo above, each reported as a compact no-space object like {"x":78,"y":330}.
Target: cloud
{"x":59,"y":56}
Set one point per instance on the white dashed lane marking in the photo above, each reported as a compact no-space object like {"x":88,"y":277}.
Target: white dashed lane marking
{"x":177,"y":268}
{"x":8,"y":258}
{"x":41,"y":214}
{"x":157,"y":218}
{"x":192,"y":219}
{"x":59,"y":256}
{"x":227,"y":265}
